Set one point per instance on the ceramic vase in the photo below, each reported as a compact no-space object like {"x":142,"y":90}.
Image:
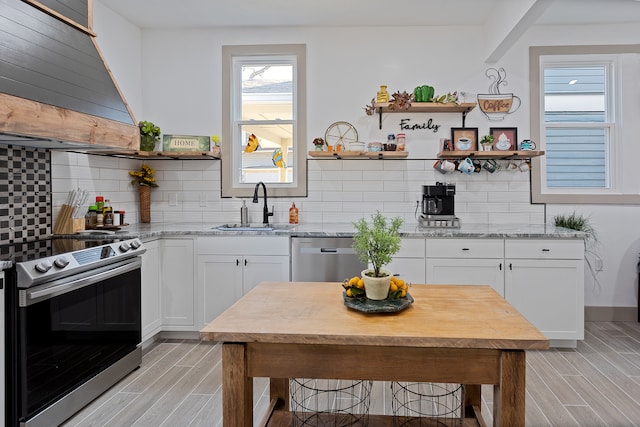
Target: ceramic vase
{"x":376,"y":288}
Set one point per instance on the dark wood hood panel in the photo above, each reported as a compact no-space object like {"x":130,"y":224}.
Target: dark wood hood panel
{"x":55,"y":84}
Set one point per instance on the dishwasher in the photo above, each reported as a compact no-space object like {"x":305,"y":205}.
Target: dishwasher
{"x":324,"y":259}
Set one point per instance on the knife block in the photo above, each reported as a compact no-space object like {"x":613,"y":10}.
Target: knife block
{"x":65,"y":223}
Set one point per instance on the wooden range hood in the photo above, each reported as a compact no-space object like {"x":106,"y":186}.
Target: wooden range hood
{"x":56,"y":90}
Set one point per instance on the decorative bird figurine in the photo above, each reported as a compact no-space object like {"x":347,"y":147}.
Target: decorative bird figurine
{"x":277,"y":159}
{"x":252,"y":144}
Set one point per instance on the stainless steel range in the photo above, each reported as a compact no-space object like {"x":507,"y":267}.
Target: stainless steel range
{"x":438,"y":206}
{"x":73,"y":322}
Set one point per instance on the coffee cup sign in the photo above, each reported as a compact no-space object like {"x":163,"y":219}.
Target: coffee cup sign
{"x":497,"y":106}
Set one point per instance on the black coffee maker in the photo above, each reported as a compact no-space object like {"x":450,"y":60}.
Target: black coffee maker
{"x":438,"y":206}
{"x":438,"y":199}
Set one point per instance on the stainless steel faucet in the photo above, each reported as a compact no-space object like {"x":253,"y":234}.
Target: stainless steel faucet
{"x":265,"y":210}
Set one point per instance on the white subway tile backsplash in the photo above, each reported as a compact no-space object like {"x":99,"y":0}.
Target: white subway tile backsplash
{"x":338,"y":190}
{"x":377,"y":176}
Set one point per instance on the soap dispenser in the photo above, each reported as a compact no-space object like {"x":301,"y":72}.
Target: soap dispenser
{"x":244,"y":214}
{"x":293,"y":214}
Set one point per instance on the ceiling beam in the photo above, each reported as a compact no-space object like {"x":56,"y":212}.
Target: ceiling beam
{"x":510,"y":20}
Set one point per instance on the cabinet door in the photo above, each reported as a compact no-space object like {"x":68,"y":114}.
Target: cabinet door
{"x":151,"y":290}
{"x":264,"y":268}
{"x":466,"y":272}
{"x":178,"y":291}
{"x":412,"y":270}
{"x":220,"y":284}
{"x":549,"y":293}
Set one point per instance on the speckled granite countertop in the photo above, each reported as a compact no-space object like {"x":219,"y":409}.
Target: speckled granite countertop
{"x":146,"y":231}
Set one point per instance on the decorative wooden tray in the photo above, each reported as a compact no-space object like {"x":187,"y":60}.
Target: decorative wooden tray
{"x":366,"y":305}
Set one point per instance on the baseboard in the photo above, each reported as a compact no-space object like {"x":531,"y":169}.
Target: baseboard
{"x":180,"y":335}
{"x":611,"y":314}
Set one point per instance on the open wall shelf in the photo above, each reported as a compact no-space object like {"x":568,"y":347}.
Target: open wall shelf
{"x":359,"y":154}
{"x":428,"y":107}
{"x":496,"y":154}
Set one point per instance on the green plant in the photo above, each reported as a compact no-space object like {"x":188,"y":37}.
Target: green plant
{"x":148,"y":128}
{"x":577,"y":222}
{"x":144,"y":177}
{"x":583,"y":223}
{"x":486,"y":140}
{"x":378,"y":242}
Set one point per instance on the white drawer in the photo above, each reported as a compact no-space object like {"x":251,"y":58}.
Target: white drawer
{"x":465,"y":248}
{"x":544,"y":248}
{"x":411,"y":248}
{"x":243,"y":245}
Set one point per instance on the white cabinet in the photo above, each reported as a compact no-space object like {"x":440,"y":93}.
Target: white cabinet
{"x":409,"y":262}
{"x":151,"y":290}
{"x":466,"y":262}
{"x":544,"y":280}
{"x":178,"y":285}
{"x":229,"y":267}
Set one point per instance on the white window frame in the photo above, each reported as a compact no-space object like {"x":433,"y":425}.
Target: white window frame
{"x":231,"y":140}
{"x":623,"y":186}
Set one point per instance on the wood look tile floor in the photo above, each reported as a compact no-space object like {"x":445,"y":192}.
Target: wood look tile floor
{"x":179,"y":384}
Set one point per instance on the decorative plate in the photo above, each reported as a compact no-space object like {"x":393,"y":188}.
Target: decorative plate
{"x":366,"y":305}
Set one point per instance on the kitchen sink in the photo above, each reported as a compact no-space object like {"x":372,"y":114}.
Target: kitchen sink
{"x":250,"y":227}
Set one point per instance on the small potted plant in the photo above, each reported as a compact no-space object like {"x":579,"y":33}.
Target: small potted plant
{"x":319,"y":144}
{"x":215,"y":145}
{"x":375,"y":244}
{"x":486,"y":142}
{"x":149,"y":135}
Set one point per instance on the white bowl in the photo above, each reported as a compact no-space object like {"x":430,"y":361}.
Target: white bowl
{"x":356,"y":146}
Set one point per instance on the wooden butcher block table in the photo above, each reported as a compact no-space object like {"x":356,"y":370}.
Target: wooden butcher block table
{"x":450,"y":334}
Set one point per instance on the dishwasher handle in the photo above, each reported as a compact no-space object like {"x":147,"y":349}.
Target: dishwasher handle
{"x":328,"y":251}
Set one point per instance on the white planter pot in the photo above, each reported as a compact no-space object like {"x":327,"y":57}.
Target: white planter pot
{"x":376,"y":288}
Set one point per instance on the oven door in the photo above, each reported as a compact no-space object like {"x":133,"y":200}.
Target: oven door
{"x":72,"y":329}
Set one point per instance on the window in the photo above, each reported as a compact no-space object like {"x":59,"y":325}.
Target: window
{"x":578,"y":124}
{"x":264,"y":124}
{"x":580,"y":98}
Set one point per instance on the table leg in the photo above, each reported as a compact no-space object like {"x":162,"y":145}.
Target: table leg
{"x":509,"y":394}
{"x":237,"y":387}
{"x":279,"y":391}
{"x":472,"y":400}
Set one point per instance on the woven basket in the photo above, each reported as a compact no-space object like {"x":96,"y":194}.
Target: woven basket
{"x":145,"y":203}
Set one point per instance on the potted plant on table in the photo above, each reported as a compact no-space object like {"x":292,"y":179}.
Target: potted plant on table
{"x":375,"y":244}
{"x":149,"y":135}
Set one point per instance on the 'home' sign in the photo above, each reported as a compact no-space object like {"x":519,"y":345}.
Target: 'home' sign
{"x":185,"y":143}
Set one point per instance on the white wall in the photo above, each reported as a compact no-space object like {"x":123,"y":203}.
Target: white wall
{"x":181,"y":93}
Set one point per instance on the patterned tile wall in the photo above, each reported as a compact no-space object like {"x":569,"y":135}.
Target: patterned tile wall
{"x":25,"y":194}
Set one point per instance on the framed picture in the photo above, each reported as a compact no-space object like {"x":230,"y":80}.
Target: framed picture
{"x":464,"y":139}
{"x":504,"y":139}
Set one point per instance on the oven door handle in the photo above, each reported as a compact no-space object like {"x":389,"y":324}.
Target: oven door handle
{"x":98,"y":275}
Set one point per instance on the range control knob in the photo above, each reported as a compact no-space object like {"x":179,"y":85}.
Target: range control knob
{"x":124,"y":247}
{"x":135,"y":244}
{"x":61,"y":262}
{"x":43,"y":266}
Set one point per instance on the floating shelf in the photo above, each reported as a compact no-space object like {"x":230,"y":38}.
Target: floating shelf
{"x":428,"y":107}
{"x":496,"y":154}
{"x":157,"y":155}
{"x":359,"y":154}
